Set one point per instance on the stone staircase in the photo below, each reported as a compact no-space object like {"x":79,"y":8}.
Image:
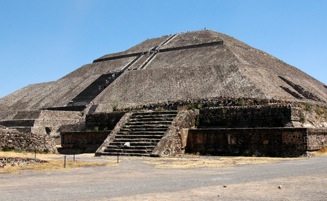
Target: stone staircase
{"x":94,"y":89}
{"x":140,"y":134}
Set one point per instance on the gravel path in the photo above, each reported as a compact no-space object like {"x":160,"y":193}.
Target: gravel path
{"x":303,"y":179}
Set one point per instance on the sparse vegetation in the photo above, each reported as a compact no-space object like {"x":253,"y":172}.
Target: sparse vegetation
{"x":191,"y":106}
{"x":159,"y":109}
{"x":323,"y":150}
{"x":194,"y":161}
{"x":308,"y":107}
{"x":96,"y":128}
{"x":46,"y":162}
{"x":115,"y":107}
{"x":302,"y":117}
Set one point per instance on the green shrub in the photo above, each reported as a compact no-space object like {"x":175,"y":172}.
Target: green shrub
{"x":308,"y":107}
{"x":96,"y":129}
{"x":115,"y":107}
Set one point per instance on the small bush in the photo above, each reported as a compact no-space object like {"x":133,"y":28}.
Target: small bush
{"x":5,"y":148}
{"x":18,"y":150}
{"x":96,"y":129}
{"x":308,"y":107}
{"x":191,"y":106}
{"x":115,"y":107}
{"x":159,"y":109}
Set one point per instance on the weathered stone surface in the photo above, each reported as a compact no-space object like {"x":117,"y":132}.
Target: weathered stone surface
{"x":316,"y":139}
{"x":85,"y":142}
{"x":227,"y":69}
{"x":248,"y":141}
{"x":247,"y":116}
{"x":103,"y":121}
{"x":173,"y":142}
{"x":12,"y":139}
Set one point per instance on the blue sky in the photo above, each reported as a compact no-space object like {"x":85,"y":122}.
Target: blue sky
{"x":43,"y":40}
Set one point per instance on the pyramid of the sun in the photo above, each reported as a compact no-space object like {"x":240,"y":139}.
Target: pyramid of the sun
{"x":201,"y":64}
{"x":263,"y":103}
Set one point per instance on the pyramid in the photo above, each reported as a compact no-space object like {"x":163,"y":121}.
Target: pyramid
{"x":200,"y":65}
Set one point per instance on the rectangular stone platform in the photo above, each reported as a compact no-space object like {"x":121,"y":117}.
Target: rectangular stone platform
{"x":280,"y":142}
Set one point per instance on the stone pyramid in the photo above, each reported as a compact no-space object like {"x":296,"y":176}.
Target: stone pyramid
{"x":193,"y":65}
{"x":174,"y":72}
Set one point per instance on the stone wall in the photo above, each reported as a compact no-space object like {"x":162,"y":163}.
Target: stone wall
{"x":102,"y":121}
{"x":247,"y":116}
{"x":82,"y":142}
{"x":317,"y":139}
{"x":248,"y":141}
{"x":11,"y":139}
{"x":174,"y":141}
{"x":97,"y":128}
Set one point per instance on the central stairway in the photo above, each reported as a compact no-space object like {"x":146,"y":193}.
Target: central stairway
{"x":140,"y":134}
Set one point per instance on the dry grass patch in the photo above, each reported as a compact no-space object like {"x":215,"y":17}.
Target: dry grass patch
{"x":210,"y":162}
{"x":46,"y":162}
{"x":321,"y":152}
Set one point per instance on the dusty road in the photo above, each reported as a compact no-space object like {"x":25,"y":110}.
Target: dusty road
{"x":134,"y":179}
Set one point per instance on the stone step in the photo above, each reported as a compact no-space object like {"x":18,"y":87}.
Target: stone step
{"x":139,"y":134}
{"x":145,"y":126}
{"x":129,"y":137}
{"x":152,"y":116}
{"x":132,"y":140}
{"x":156,"y":113}
{"x":130,"y":150}
{"x":133,"y":143}
{"x":146,"y":132}
{"x":151,"y":119}
{"x":125,"y":154}
{"x":141,"y":128}
{"x":138,"y":147}
{"x":148,"y":122}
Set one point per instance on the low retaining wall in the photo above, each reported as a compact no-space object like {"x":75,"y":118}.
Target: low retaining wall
{"x":317,"y":139}
{"x":248,"y":141}
{"x":11,"y":139}
{"x":81,"y":142}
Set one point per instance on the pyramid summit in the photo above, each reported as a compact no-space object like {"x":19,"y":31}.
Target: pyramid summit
{"x":202,"y":67}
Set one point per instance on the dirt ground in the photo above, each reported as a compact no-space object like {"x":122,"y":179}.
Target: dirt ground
{"x":267,"y":190}
{"x":179,"y":178}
